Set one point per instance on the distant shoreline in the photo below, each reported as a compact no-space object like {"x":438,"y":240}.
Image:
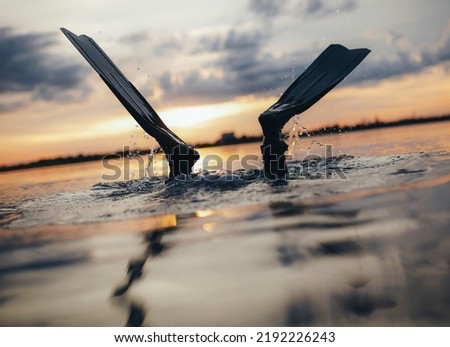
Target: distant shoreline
{"x":233,"y":141}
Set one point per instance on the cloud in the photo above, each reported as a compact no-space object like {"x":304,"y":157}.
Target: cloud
{"x":222,"y":65}
{"x":267,"y":8}
{"x":232,"y":40}
{"x":170,"y":46}
{"x":443,"y":46}
{"x":160,"y":45}
{"x":134,"y":38}
{"x":241,"y":65}
{"x":243,"y":68}
{"x":313,"y":7}
{"x":321,"y":8}
{"x":10,"y":106}
{"x":266,"y":76}
{"x":406,"y":58}
{"x":25,"y":67}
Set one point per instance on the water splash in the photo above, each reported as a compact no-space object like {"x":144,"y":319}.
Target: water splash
{"x":151,"y":196}
{"x":295,"y":134}
{"x":142,"y":146}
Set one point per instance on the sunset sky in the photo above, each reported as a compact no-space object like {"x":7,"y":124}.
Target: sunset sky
{"x":208,"y":67}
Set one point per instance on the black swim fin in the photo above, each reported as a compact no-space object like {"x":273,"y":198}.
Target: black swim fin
{"x":329,"y":68}
{"x":181,"y":157}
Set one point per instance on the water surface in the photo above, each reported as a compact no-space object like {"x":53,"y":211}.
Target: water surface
{"x":233,"y":249}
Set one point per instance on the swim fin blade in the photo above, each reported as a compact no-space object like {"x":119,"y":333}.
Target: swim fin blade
{"x":329,"y":68}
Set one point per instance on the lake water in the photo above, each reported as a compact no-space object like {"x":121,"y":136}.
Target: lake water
{"x":358,"y":236}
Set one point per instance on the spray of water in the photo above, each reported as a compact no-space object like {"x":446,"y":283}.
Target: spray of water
{"x":300,"y":140}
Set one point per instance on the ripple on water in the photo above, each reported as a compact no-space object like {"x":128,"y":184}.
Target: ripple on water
{"x":319,"y":178}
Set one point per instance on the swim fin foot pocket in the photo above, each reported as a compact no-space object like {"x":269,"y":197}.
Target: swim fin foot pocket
{"x":181,"y":159}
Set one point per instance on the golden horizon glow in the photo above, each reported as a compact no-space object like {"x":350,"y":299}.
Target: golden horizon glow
{"x":192,"y":116}
{"x":204,"y":213}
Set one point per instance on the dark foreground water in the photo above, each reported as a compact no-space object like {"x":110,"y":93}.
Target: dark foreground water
{"x":357,"y":237}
